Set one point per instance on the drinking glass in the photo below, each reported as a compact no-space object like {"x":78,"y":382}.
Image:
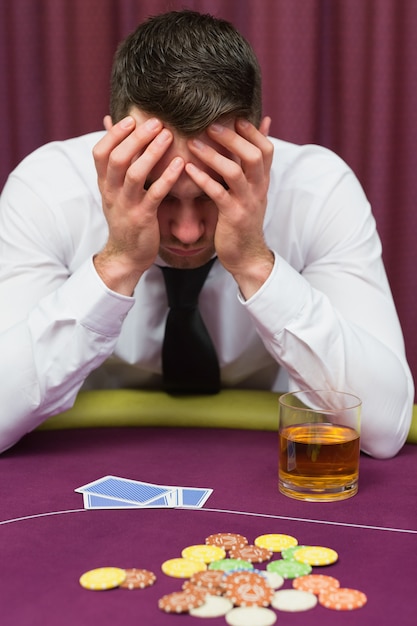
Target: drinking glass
{"x":319,"y":445}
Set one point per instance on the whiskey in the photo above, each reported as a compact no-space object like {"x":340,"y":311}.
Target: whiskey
{"x":320,"y":459}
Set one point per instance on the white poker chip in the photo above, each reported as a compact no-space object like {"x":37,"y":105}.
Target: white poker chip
{"x":251,"y":616}
{"x":273,"y":579}
{"x":214,"y":606}
{"x":293,"y":600}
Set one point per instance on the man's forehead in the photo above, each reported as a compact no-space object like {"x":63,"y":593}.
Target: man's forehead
{"x":141,"y":117}
{"x":179,"y":147}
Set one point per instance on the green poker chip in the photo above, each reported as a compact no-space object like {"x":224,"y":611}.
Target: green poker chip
{"x":228,"y":565}
{"x":289,"y":569}
{"x":288,"y":553}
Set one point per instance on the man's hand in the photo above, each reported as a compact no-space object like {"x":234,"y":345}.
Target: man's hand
{"x":241,"y":202}
{"x":124,"y":157}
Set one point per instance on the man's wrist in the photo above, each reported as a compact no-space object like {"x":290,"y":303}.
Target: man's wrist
{"x":117,"y":272}
{"x":251,"y":278}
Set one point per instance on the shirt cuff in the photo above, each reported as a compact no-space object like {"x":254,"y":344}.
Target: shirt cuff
{"x":92,"y":303}
{"x":280,"y":300}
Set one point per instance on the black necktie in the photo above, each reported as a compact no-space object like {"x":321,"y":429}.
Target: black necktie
{"x":189,"y":359}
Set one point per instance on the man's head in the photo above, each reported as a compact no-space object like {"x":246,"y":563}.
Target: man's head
{"x":188,"y":70}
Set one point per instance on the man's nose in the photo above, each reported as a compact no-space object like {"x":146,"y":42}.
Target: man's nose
{"x":187,"y":224}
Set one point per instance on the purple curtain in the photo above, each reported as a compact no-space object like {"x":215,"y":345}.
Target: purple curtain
{"x":341,"y":73}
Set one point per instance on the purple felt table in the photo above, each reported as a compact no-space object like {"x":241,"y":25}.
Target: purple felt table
{"x":47,"y":539}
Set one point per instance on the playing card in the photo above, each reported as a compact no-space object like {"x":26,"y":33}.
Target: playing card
{"x":92,"y":501}
{"x":113,"y":492}
{"x":192,"y":498}
{"x":126,"y":490}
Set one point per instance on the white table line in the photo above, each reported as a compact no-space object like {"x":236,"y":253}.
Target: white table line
{"x":230,"y":511}
{"x":312,"y":521}
{"x":36,"y":515}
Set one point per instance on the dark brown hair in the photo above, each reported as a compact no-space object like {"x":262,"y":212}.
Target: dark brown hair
{"x":188,"y":69}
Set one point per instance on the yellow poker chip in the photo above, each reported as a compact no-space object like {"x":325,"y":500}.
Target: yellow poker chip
{"x":204,"y":553}
{"x":275,"y":542}
{"x":103,"y":578}
{"x":316,"y":555}
{"x":182,"y":568}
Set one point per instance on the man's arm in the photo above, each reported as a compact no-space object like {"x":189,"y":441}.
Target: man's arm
{"x":239,"y":239}
{"x":332,"y":322}
{"x":57,"y":325}
{"x":48,"y":352}
{"x":124,"y":158}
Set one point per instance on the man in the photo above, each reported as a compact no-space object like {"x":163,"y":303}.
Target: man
{"x":297,"y":296}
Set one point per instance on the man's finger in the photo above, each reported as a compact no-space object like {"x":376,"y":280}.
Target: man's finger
{"x":113,"y":137}
{"x":107,"y":122}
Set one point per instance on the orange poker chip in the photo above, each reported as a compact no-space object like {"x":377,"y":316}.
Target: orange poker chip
{"x":180,"y":602}
{"x":342,"y":599}
{"x":237,"y":578}
{"x":205,"y":591}
{"x":315,"y":583}
{"x":138,"y":579}
{"x":226,"y":540}
{"x":248,"y":589}
{"x":253,"y":554}
{"x":208,"y":579}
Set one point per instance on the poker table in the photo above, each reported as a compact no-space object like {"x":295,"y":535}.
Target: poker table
{"x":48,"y":540}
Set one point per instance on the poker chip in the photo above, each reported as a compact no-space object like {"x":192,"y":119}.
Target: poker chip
{"x":138,"y":579}
{"x":288,"y":553}
{"x":275,"y":542}
{"x":206,"y":591}
{"x":316,"y":555}
{"x":253,"y":554}
{"x":342,"y":599}
{"x":248,"y":589}
{"x":236,"y":578}
{"x":315,"y":583}
{"x":212,"y":607}
{"x":103,"y":578}
{"x":227,"y":565}
{"x":208,"y":579}
{"x":204,"y":553}
{"x":182,"y":568}
{"x":251,"y":616}
{"x":180,"y":602}
{"x":222,"y":579}
{"x":229,"y":586}
{"x":250,"y":595}
{"x":226,"y":540}
{"x":293,"y":600}
{"x":289,"y":569}
{"x":274,"y":580}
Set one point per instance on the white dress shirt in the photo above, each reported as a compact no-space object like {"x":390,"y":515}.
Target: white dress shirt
{"x":324,"y":319}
